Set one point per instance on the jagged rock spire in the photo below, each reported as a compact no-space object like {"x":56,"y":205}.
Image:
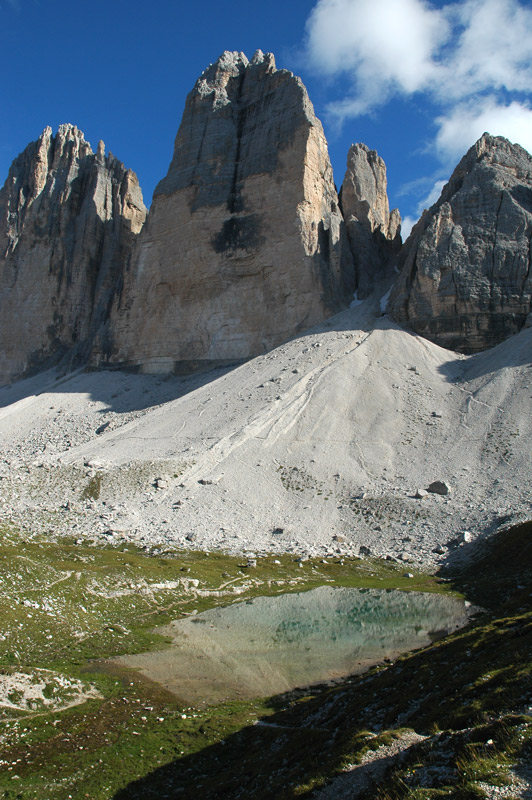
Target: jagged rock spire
{"x":373,"y":231}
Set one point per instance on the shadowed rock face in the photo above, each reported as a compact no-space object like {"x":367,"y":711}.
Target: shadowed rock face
{"x":68,"y":219}
{"x":465,"y":279}
{"x":245,"y":243}
{"x":373,"y":231}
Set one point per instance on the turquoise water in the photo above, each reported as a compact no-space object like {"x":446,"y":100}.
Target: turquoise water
{"x":272,"y":644}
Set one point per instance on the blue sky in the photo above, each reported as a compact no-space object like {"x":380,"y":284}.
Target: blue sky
{"x":417,"y":81}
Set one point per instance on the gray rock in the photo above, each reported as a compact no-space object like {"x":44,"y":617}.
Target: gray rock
{"x":439,"y":487}
{"x":68,"y":221}
{"x":420,"y":494}
{"x":465,"y":279}
{"x":364,"y":551}
{"x":373,"y":231}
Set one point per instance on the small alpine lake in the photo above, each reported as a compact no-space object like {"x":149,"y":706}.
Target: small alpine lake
{"x":269,"y":645}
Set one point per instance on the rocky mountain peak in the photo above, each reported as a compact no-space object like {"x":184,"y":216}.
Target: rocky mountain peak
{"x":465,"y":278}
{"x":68,"y":219}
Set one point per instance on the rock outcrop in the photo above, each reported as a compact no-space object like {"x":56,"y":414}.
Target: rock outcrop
{"x":245,"y":243}
{"x":465,"y":279}
{"x":373,"y":231}
{"x":68,"y":219}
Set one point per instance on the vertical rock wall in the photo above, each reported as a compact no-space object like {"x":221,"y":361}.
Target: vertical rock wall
{"x":245,"y":243}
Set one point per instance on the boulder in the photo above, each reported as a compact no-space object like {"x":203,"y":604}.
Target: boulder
{"x":374,"y":233}
{"x":245,"y":243}
{"x":465,"y":279}
{"x":68,"y":220}
{"x":438,"y":487}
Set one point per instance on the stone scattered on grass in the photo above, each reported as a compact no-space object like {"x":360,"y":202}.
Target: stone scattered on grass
{"x":42,"y":689}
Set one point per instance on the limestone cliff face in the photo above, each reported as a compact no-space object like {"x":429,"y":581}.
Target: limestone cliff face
{"x":373,"y":231}
{"x":245,"y":242}
{"x":465,"y":279}
{"x":68,"y":219}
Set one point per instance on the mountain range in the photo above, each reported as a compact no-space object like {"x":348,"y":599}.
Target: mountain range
{"x":247,"y":242}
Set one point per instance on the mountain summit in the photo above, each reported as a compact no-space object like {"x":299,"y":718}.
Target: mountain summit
{"x":245,"y":242}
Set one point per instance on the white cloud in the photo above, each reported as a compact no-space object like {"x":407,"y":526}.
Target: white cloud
{"x":492,"y":48}
{"x":431,"y":197}
{"x":385,"y":45}
{"x":464,"y":54}
{"x":464,"y":124}
{"x":426,"y":202}
{"x":406,"y":226}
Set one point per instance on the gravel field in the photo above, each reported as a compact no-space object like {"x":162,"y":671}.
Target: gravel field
{"x":317,"y":448}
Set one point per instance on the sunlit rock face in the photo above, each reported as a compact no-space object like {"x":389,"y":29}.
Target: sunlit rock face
{"x":245,"y":243}
{"x":68,"y":219}
{"x":374,"y":232}
{"x":465,"y":279}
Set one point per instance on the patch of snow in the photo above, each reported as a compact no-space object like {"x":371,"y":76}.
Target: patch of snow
{"x":355,"y":301}
{"x":384,"y":301}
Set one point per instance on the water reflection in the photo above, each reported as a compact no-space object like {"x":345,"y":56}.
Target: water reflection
{"x":273,"y":644}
